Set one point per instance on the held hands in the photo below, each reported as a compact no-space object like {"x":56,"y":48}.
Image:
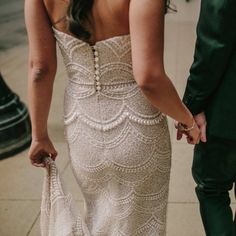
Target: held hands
{"x":195,"y":134}
{"x":40,"y":149}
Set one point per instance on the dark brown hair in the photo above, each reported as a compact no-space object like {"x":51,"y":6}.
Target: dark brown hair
{"x":78,"y":14}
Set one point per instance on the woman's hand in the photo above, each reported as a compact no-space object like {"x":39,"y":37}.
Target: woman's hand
{"x":40,"y":149}
{"x":193,"y":135}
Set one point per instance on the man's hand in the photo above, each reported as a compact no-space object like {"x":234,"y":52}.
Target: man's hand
{"x":202,"y":124}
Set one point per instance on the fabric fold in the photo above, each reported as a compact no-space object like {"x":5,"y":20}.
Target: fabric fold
{"x":59,"y":216}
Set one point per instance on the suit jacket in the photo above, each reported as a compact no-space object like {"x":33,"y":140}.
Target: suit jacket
{"x":211,"y":86}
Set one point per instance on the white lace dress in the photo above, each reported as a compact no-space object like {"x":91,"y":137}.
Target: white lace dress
{"x":119,"y":147}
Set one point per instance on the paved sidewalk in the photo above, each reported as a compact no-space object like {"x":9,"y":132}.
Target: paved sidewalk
{"x":21,"y":184}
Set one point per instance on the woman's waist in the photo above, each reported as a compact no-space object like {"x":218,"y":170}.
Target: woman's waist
{"x":109,"y":104}
{"x":108,"y":82}
{"x":79,"y":88}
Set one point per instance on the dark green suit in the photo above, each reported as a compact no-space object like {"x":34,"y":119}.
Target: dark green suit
{"x":211,"y":88}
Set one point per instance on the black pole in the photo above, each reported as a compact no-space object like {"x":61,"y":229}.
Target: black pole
{"x":15,"y":129}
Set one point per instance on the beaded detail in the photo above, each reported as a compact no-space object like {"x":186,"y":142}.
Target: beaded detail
{"x":118,"y":143}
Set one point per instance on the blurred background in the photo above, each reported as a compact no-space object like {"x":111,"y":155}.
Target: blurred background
{"x":12,"y":31}
{"x":21,"y":184}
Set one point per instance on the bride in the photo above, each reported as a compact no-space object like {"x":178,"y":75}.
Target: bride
{"x":116,"y":98}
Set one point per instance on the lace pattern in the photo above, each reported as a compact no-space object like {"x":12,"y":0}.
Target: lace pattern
{"x":119,"y":147}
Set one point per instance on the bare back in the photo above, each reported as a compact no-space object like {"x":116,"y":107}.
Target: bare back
{"x":110,"y":18}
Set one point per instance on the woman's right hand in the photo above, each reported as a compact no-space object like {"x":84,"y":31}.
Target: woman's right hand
{"x":40,"y":149}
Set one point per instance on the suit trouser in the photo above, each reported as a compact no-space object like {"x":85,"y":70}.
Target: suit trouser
{"x":214,"y":171}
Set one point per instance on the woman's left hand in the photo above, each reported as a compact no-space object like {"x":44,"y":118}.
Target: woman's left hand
{"x":40,"y":149}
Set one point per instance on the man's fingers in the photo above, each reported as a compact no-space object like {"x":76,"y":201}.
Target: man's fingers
{"x":203,"y":133}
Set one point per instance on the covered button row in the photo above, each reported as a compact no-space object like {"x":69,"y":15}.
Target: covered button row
{"x":96,"y":65}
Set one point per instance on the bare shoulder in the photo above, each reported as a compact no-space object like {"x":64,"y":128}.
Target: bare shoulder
{"x":56,"y":10}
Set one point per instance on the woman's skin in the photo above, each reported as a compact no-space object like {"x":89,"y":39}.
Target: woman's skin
{"x":143,"y":19}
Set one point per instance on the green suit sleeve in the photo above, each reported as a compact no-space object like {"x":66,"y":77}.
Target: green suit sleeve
{"x":216,"y":40}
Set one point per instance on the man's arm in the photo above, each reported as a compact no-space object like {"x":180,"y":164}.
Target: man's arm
{"x":216,"y":39}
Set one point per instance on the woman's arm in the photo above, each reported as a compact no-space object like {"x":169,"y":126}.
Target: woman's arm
{"x":42,"y":70}
{"x":147,"y":38}
{"x":42,"y":65}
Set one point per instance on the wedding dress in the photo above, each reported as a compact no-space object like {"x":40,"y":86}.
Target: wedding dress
{"x":119,"y":147}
